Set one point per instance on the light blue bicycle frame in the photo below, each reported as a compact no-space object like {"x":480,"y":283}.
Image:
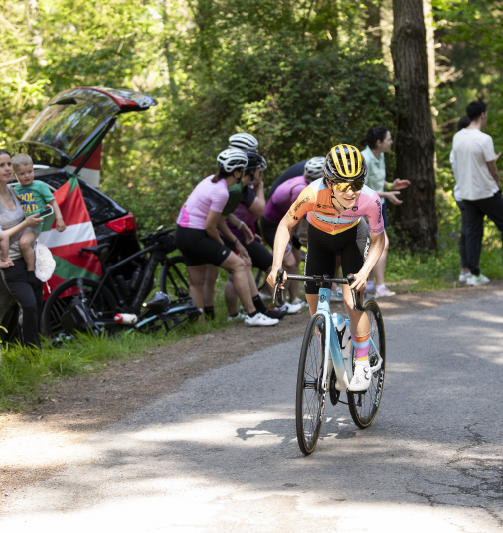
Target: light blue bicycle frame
{"x":333,"y":355}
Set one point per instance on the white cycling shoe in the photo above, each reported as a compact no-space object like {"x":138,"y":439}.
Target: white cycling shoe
{"x":291,"y":309}
{"x":260,"y":320}
{"x":361,"y":378}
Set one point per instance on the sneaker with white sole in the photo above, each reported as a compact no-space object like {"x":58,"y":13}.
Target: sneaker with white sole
{"x":361,"y":378}
{"x":370,"y":288}
{"x":291,"y":309}
{"x":476,"y":281}
{"x":239,"y":316}
{"x":383,"y":291}
{"x":463,"y":276}
{"x":260,"y":320}
{"x":297,"y":300}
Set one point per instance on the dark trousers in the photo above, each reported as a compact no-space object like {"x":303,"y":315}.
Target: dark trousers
{"x":29,"y":297}
{"x":475,"y":211}
{"x":462,"y":238}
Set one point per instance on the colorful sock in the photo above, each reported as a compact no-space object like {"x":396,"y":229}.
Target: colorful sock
{"x":361,"y":345}
{"x":259,"y":304}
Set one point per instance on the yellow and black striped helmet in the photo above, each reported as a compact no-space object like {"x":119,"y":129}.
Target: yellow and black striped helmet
{"x":345,"y":162}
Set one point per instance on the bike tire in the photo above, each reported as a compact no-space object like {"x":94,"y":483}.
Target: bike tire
{"x":55,"y":306}
{"x":172,"y":279}
{"x":310,"y":406}
{"x":363,"y":407}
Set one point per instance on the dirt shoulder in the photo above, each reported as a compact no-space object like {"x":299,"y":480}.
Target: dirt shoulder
{"x":50,"y":436}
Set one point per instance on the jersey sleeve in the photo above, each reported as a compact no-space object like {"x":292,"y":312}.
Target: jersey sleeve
{"x":218,"y":199}
{"x":248,"y":197}
{"x":303,"y":204}
{"x":374,"y":215}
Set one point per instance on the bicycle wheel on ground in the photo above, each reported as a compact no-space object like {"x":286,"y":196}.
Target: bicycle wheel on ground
{"x":364,"y":407}
{"x":58,"y":302}
{"x":173,"y":281}
{"x":311,"y":392}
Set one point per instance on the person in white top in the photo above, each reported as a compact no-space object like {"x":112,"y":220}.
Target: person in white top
{"x":474,"y":155}
{"x":463,"y":122}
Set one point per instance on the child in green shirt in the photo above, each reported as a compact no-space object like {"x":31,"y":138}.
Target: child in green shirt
{"x":33,"y":196}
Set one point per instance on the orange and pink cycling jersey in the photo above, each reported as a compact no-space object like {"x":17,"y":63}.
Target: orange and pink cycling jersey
{"x":316,"y":201}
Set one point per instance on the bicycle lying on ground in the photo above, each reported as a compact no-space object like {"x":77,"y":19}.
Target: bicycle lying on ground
{"x":322,"y":366}
{"x":112,"y":303}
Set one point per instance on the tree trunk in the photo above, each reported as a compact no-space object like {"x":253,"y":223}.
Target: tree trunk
{"x":373,"y":23}
{"x":415,"y":144}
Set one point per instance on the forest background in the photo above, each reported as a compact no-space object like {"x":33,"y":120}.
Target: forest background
{"x":300,"y":75}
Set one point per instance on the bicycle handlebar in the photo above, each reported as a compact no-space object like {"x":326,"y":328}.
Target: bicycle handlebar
{"x":157,"y":233}
{"x":278,"y":293}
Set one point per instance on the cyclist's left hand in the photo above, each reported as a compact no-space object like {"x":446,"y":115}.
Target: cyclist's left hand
{"x":249,"y":236}
{"x":360,"y":281}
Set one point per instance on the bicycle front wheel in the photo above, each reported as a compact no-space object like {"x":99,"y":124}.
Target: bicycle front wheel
{"x":311,"y":391}
{"x":363,"y":407}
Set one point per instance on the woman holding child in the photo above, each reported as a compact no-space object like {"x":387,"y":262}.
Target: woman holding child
{"x":27,"y":291}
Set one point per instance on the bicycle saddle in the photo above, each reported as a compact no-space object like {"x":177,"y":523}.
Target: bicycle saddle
{"x":159,"y":303}
{"x":95,"y":250}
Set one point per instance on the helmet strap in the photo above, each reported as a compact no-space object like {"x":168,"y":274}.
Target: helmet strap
{"x":333,"y":197}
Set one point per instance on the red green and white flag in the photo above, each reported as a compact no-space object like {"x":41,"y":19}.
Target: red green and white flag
{"x":79,"y":233}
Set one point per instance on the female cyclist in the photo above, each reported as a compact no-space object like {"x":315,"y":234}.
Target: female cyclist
{"x":276,"y":208}
{"x":335,"y":205}
{"x":241,"y":224}
{"x":198,"y":238}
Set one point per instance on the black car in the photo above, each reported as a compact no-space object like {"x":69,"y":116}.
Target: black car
{"x":66,"y":139}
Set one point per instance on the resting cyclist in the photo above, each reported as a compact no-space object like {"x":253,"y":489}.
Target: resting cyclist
{"x":198,"y":238}
{"x":335,"y":206}
{"x":239,"y":194}
{"x":276,"y":208}
{"x":246,"y":215}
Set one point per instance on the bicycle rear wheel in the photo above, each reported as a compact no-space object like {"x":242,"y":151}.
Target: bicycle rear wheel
{"x":173,"y":281}
{"x":364,"y":407}
{"x":311,"y":392}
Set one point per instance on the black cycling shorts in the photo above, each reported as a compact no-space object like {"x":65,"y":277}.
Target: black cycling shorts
{"x":322,"y":247}
{"x":269,"y":233}
{"x":198,"y":248}
{"x":260,"y":256}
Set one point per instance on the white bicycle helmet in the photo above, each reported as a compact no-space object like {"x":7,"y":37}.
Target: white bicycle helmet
{"x":263,"y":164}
{"x":245,"y":141}
{"x":314,"y":168}
{"x":232,"y":159}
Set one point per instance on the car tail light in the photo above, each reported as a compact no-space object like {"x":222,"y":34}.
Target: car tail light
{"x":122,"y":225}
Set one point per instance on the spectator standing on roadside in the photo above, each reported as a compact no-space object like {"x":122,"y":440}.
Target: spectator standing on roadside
{"x":478,"y":183}
{"x":379,"y":142}
{"x":465,"y":271}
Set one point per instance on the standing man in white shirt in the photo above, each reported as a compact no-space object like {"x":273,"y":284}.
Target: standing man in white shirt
{"x":475,"y":157}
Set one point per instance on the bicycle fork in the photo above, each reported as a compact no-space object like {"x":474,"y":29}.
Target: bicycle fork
{"x":333,"y":356}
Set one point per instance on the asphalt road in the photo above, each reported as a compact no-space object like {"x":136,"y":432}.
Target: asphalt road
{"x":221,"y":454}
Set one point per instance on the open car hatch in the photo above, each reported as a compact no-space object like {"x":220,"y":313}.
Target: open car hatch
{"x":69,"y":132}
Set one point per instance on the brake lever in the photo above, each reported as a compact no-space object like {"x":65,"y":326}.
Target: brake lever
{"x":277,"y":296}
{"x":356,"y":299}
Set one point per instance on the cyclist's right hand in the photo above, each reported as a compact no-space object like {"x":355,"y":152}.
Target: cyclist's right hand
{"x":243,"y":252}
{"x":32,"y":221}
{"x":271,"y":278}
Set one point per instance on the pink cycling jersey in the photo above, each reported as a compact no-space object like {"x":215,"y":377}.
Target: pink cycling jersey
{"x":283,"y":197}
{"x":206,"y":197}
{"x":315,"y":202}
